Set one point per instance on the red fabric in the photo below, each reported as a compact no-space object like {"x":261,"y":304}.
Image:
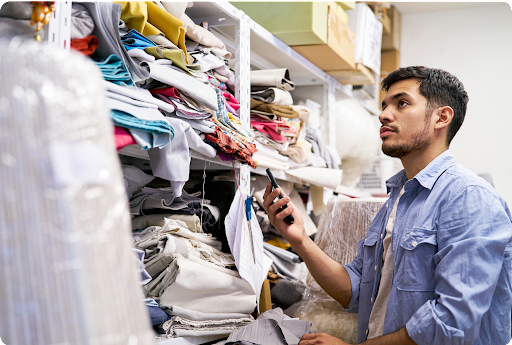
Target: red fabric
{"x":169,"y":92}
{"x":123,"y":138}
{"x":227,"y":145}
{"x":86,"y":46}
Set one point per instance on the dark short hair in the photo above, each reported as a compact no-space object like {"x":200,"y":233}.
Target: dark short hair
{"x":439,"y":87}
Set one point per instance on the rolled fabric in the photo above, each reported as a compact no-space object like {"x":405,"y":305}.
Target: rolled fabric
{"x":273,"y":95}
{"x":278,"y":110}
{"x":279,"y":78}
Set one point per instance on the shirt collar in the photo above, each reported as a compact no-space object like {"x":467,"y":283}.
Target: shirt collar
{"x":426,"y":177}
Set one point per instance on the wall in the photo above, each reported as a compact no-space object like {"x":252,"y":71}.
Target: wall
{"x":475,"y":45}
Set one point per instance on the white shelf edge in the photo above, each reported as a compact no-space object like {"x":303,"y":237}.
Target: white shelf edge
{"x":137,"y":152}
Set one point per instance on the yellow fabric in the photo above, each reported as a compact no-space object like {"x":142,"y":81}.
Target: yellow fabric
{"x":175,"y":55}
{"x":149,"y":19}
{"x":276,"y":242}
{"x":234,"y":119}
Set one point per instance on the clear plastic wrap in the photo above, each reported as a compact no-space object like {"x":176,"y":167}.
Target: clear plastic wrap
{"x":342,"y":225}
{"x":68,"y":271}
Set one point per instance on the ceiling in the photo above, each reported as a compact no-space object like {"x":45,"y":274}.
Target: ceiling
{"x":425,"y":7}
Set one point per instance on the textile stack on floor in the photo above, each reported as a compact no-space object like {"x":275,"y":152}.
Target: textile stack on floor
{"x":343,"y":224}
{"x":194,"y":288}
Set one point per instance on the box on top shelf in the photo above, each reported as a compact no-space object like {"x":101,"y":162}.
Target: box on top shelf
{"x":361,"y":75}
{"x":390,"y":61}
{"x":338,"y":53}
{"x":368,"y":36}
{"x":346,"y":5}
{"x":294,"y":23}
{"x":391,"y":41}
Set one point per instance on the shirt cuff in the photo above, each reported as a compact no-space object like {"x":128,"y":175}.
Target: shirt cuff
{"x":355,"y":280}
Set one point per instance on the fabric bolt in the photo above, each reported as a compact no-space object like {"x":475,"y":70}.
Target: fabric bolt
{"x":172,"y":162}
{"x":221,"y":53}
{"x":271,"y":328}
{"x":149,"y":19}
{"x":265,"y":139}
{"x":430,"y":246}
{"x":220,"y":77}
{"x":179,"y":326}
{"x":279,"y":78}
{"x":201,"y":35}
{"x":200,"y":316}
{"x":149,"y":114}
{"x":139,"y":94}
{"x":300,"y":152}
{"x":135,"y":40}
{"x":123,"y":138}
{"x":195,"y":286}
{"x":106,"y":17}
{"x":207,"y":213}
{"x":320,"y":148}
{"x":181,"y":108}
{"x":192,"y":221}
{"x":113,"y":70}
{"x":82,"y":24}
{"x":278,"y":110}
{"x":273,"y":95}
{"x":185,"y":83}
{"x":85,"y":46}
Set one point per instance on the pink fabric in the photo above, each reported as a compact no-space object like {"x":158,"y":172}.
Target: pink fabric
{"x":270,"y":129}
{"x":233,"y":103}
{"x":169,"y":92}
{"x":123,"y":138}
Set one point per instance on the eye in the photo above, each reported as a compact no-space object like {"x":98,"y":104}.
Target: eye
{"x":402,"y":103}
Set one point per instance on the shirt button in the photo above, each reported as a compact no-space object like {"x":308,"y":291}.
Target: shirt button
{"x":375,"y":267}
{"x":386,"y":205}
{"x":365,"y":239}
{"x":380,"y":235}
{"x":371,"y":299}
{"x":414,"y":243}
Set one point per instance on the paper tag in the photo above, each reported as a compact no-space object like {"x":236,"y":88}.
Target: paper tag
{"x":79,"y":163}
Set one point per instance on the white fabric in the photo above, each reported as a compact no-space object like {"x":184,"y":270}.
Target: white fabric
{"x":270,"y":158}
{"x":143,"y":113}
{"x":135,"y":178}
{"x":199,"y":288}
{"x":141,"y":55}
{"x":222,"y":53}
{"x":130,"y":100}
{"x":207,"y":61}
{"x":201,"y":35}
{"x":323,"y":177}
{"x":200,"y":316}
{"x":273,"y":78}
{"x":201,"y":125}
{"x":273,"y":95}
{"x":138,"y":94}
{"x":176,"y":8}
{"x":194,"y":88}
{"x":172,"y":162}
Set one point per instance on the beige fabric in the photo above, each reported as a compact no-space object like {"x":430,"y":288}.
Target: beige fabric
{"x":376,"y":325}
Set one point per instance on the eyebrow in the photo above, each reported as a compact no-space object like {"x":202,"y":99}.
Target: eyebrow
{"x":398,"y":95}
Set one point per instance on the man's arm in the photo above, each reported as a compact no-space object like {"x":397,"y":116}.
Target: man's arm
{"x":331,"y":275}
{"x":399,"y":337}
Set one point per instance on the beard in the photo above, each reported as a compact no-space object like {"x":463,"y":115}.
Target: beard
{"x":419,"y":141}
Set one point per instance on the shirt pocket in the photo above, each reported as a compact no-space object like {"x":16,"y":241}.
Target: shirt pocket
{"x":417,"y":268}
{"x":369,"y":248}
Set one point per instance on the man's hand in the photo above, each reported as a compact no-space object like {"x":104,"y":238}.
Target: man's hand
{"x":320,"y":339}
{"x":293,"y":233}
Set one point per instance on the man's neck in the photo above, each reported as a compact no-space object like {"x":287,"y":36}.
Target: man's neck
{"x":415,"y":162}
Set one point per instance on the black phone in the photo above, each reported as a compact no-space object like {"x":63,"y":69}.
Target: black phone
{"x":289,"y":219}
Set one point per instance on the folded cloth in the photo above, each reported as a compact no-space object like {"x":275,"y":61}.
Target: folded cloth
{"x":195,"y":286}
{"x":206,"y":60}
{"x":148,"y":198}
{"x":271,"y":328}
{"x":192,"y":221}
{"x":141,"y":95}
{"x":172,"y":162}
{"x":149,"y":19}
{"x":200,"y":316}
{"x":123,"y":138}
{"x":135,"y":40}
{"x":279,"y":78}
{"x":273,"y":95}
{"x":270,"y":128}
{"x":82,"y":24}
{"x":162,"y":42}
{"x":134,"y":179}
{"x":149,"y":140}
{"x":156,"y":128}
{"x":157,"y":315}
{"x":140,"y":55}
{"x":114,"y":70}
{"x":203,"y":126}
{"x":185,"y":83}
{"x":231,"y":101}
{"x":85,"y":46}
{"x":179,"y":326}
{"x":278,"y":110}
{"x":223,"y":142}
{"x":182,"y":108}
{"x":321,"y":149}
{"x":177,"y":57}
{"x":106,"y":17}
{"x":299,"y":152}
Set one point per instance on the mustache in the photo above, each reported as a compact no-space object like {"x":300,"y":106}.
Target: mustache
{"x":393,"y":128}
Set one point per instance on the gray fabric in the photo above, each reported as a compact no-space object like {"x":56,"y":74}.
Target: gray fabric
{"x":199,"y":316}
{"x":82,"y":24}
{"x":182,"y":327}
{"x":134,"y":179}
{"x":271,"y":329}
{"x":10,"y":28}
{"x":320,"y":149}
{"x":16,"y":10}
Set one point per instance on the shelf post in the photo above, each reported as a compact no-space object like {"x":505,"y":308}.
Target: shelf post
{"x":59,"y":27}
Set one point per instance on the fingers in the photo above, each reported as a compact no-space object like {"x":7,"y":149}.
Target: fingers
{"x":284,"y":213}
{"x":267,"y":190}
{"x":274,"y":208}
{"x":308,"y":336}
{"x":267,"y":201}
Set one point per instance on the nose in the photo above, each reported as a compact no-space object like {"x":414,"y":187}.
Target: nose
{"x":386,"y":116}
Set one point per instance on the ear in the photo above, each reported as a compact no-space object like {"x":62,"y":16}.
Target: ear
{"x":444,"y":117}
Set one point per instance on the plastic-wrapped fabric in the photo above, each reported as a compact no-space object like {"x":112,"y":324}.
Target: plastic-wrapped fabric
{"x":342,"y":225}
{"x":68,"y":270}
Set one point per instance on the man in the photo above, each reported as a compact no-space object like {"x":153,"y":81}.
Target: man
{"x":435,"y":266}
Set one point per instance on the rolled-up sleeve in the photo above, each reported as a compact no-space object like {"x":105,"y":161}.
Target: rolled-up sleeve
{"x":473,"y":231}
{"x":354,"y":270}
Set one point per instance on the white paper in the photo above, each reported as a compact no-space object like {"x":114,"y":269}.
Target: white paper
{"x":253,"y":269}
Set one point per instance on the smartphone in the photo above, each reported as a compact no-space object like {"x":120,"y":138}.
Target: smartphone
{"x":289,"y":219}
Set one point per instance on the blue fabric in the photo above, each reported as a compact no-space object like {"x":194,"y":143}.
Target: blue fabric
{"x":452,"y":259}
{"x":125,"y":120}
{"x":135,"y":40}
{"x":157,"y":315}
{"x":149,"y":140}
{"x":114,"y":70}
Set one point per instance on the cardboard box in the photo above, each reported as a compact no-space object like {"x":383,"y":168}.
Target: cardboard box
{"x":368,"y":31}
{"x":391,"y":41}
{"x":361,"y":75}
{"x":390,"y":61}
{"x":338,"y":53}
{"x":346,"y":5}
{"x":294,"y":23}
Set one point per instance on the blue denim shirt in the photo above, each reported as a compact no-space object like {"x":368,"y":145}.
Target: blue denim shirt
{"x":452,"y":259}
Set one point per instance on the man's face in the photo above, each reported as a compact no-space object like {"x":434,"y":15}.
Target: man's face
{"x":406,"y":121}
